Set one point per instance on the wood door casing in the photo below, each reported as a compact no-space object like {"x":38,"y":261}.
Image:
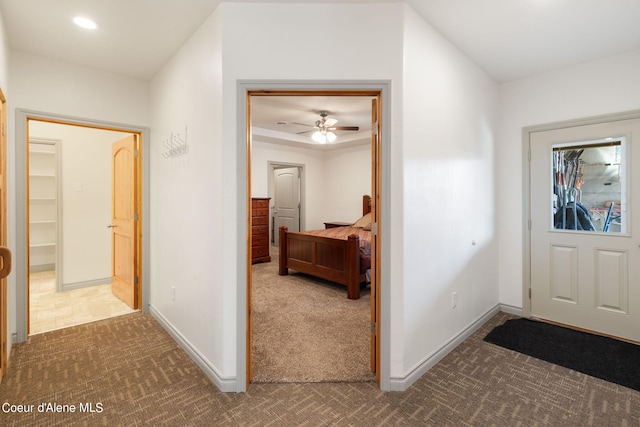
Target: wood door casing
{"x":124,"y":283}
{"x":3,"y":235}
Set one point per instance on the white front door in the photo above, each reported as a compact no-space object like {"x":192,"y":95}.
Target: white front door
{"x":585,"y":227}
{"x":286,"y":201}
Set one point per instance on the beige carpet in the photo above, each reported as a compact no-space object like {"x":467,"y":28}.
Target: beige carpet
{"x":141,"y":377}
{"x":306,"y":329}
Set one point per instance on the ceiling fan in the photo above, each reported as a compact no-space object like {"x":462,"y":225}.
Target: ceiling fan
{"x":324,"y":129}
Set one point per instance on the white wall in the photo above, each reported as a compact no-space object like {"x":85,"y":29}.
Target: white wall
{"x":86,"y":199}
{"x":347,"y":173}
{"x":448,"y":199}
{"x":189,"y":202}
{"x":606,"y":86}
{"x":53,"y":86}
{"x":4,"y":57}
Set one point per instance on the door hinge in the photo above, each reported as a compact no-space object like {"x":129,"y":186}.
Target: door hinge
{"x":529,"y":224}
{"x":373,"y":328}
{"x":3,"y":129}
{"x":135,"y":217}
{"x":135,"y":280}
{"x":529,"y":293}
{"x":135,"y":153}
{"x":374,"y":228}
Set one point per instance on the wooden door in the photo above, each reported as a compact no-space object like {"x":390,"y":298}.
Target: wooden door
{"x":375,"y":233}
{"x":286,"y":200}
{"x":124,"y":243}
{"x":5,"y":254}
{"x":582,"y":273}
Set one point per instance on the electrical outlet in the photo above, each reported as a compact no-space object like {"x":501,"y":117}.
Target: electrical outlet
{"x":454,"y":300}
{"x":173,"y":293}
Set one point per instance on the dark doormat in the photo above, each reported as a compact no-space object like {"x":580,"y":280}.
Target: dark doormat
{"x":601,"y":357}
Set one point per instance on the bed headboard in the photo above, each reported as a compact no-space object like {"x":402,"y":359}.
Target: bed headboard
{"x":366,"y":204}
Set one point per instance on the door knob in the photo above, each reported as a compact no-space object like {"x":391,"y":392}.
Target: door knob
{"x":5,"y":255}
{"x":110,"y":226}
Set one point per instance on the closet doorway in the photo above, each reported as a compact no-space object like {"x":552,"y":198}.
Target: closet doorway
{"x":70,"y":233}
{"x":286,"y":190}
{"x":82,"y":229}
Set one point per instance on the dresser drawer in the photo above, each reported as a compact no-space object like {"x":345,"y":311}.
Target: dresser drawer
{"x":260,"y":240}
{"x":260,"y":220}
{"x":259,"y":229}
{"x":258,"y":212}
{"x":260,"y":203}
{"x":257,"y":252}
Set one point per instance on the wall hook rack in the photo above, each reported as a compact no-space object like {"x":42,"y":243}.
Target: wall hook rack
{"x":176,"y":145}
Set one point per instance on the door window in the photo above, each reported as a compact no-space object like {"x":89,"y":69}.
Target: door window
{"x":589,"y":186}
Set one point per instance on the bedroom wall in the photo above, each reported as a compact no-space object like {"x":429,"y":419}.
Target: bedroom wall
{"x":264,"y":152}
{"x":347,"y":174}
{"x":335,"y":179}
{"x":606,"y":86}
{"x":85,"y":161}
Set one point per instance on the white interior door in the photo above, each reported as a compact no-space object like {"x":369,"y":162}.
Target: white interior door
{"x":587,"y":278}
{"x":286,"y":200}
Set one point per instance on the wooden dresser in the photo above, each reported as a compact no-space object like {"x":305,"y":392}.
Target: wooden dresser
{"x":260,"y":230}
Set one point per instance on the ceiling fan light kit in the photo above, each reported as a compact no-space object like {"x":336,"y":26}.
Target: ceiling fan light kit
{"x":325,"y":127}
{"x":323,"y":137}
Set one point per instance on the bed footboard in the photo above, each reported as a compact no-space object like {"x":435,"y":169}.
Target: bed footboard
{"x":331,"y":259}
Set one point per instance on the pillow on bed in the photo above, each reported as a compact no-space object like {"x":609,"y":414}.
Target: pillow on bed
{"x":364,"y":222}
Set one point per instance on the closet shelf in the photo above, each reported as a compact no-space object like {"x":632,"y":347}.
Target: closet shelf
{"x":42,"y":245}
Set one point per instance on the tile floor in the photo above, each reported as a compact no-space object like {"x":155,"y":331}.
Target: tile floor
{"x":49,"y":310}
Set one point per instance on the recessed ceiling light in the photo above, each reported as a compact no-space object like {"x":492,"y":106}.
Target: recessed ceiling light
{"x":85,"y":23}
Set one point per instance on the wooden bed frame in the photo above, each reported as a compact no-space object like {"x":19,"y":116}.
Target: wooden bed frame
{"x":332,"y":259}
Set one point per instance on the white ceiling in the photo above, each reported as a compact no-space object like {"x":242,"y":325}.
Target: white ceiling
{"x":509,"y":39}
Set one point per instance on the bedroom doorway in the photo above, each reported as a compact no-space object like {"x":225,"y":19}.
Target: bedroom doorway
{"x":373,"y":188}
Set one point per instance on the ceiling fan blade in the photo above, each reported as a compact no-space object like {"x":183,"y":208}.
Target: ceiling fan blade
{"x":303,"y":124}
{"x":330,"y":122}
{"x":304,"y":131}
{"x":344,"y":128}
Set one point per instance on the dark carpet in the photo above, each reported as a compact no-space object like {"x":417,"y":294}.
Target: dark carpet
{"x":601,"y":357}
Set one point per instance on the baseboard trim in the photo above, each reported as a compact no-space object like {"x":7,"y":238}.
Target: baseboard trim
{"x":224,"y":384}
{"x":41,"y":267}
{"x":403,"y":383}
{"x":85,"y":284}
{"x":510,"y":309}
